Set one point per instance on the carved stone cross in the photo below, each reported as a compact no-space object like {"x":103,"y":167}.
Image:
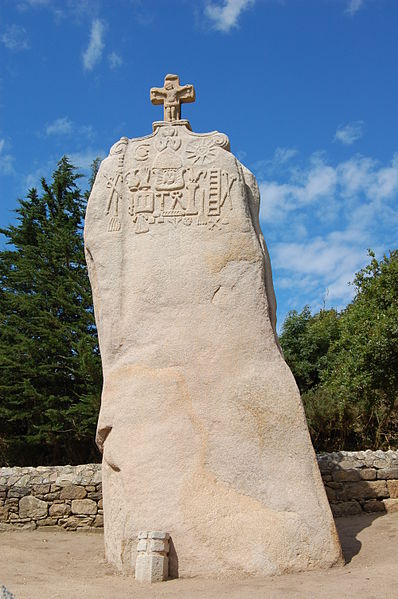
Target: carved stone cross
{"x":172,"y":95}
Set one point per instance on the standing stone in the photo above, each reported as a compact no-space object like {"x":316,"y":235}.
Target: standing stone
{"x":201,"y":425}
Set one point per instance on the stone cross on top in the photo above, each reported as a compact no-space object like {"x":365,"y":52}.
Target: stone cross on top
{"x":172,"y":95}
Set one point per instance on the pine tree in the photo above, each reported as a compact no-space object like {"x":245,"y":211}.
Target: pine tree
{"x":49,"y":358}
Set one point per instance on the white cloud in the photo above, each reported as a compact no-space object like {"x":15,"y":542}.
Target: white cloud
{"x":6,"y":160}
{"x":96,"y":45}
{"x":64,"y":126}
{"x":15,"y":38}
{"x":7,"y":164}
{"x":308,"y":186}
{"x":353,"y":7}
{"x":226,"y":16}
{"x":61,"y":126}
{"x":348,"y":134}
{"x":324,"y":185}
{"x":273,"y":166}
{"x":283,"y":155}
{"x":84,"y":159}
{"x":319,"y":219}
{"x":115,"y":60}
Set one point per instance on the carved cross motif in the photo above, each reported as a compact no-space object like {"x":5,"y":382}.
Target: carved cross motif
{"x":172,"y":95}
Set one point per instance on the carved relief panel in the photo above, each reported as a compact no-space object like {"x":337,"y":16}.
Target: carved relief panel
{"x":170,"y":179}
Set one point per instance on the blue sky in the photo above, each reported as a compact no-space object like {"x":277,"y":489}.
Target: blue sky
{"x":306,"y":90}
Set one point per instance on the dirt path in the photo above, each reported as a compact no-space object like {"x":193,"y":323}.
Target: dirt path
{"x":53,"y":564}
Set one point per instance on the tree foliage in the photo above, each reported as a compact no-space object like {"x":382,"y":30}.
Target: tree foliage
{"x":49,"y":358}
{"x":346,"y":364}
{"x":306,"y":340}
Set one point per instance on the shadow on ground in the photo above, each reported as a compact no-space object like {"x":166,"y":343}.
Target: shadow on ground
{"x":348,"y":528}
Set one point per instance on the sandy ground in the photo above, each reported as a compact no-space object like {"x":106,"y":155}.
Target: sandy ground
{"x":53,"y":564}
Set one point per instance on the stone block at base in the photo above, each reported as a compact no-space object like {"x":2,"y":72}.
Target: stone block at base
{"x":152,"y":563}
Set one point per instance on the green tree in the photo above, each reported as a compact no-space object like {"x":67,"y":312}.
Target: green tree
{"x":305,"y":341}
{"x":346,"y":364}
{"x":362,"y":373}
{"x":49,"y":358}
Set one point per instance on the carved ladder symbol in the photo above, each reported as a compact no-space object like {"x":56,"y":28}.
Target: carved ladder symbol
{"x":214,"y":193}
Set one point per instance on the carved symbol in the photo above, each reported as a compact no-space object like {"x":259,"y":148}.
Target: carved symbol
{"x":201,"y":152}
{"x":142,"y":152}
{"x":172,"y":95}
{"x":168,"y":178}
{"x":142,"y":201}
{"x":114,"y":225}
{"x":112,"y":184}
{"x":120,"y":146}
{"x":202,"y":219}
{"x":214,"y":192}
{"x":132,"y":180}
{"x":138,"y":178}
{"x":176,"y":198}
{"x":167,"y":137}
{"x":142,"y":224}
{"x":175,"y":221}
{"x":221,"y":140}
{"x":213,"y":224}
{"x":192,"y":186}
{"x":227,"y":194}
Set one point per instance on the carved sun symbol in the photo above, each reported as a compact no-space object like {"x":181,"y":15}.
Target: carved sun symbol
{"x":201,"y":152}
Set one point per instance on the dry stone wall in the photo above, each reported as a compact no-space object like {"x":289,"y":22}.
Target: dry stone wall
{"x":66,"y":496}
{"x":361,"y":481}
{"x":71,"y":496}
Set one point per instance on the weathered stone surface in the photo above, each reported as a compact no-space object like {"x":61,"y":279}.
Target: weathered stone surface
{"x":84,"y":506}
{"x":152,"y":562}
{"x":18,"y":492}
{"x":3,"y":514}
{"x":99,"y":521}
{"x":95,"y":495}
{"x":364,"y":490}
{"x":392,"y":486}
{"x":346,"y":475}
{"x":73,"y":492}
{"x":346,"y":508}
{"x":5,"y":593}
{"x":391,"y":505}
{"x":51,"y":496}
{"x":47,"y":522}
{"x":373,"y":505}
{"x":15,"y":518}
{"x":31,"y":507}
{"x":59,"y":509}
{"x":41,"y":489}
{"x":74,"y":522}
{"x":388,"y":473}
{"x":367,"y":473}
{"x":201,"y":422}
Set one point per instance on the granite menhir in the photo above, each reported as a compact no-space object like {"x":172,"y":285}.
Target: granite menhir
{"x":201,"y":425}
